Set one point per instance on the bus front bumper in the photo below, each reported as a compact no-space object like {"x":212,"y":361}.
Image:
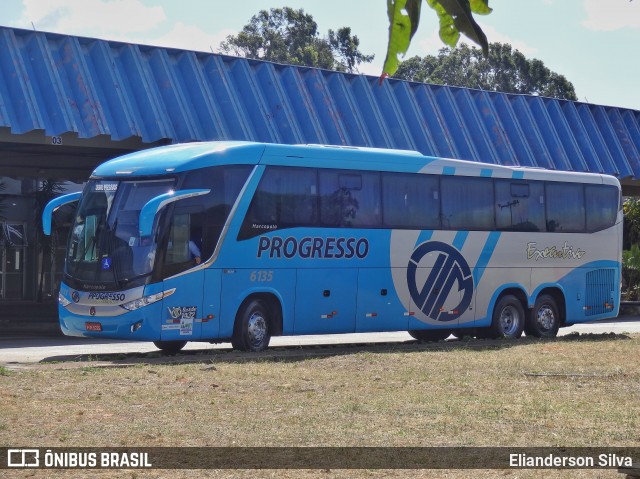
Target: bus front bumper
{"x":138,"y":325}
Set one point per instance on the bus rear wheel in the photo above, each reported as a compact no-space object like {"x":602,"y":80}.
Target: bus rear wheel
{"x":429,"y":335}
{"x":252,"y":330}
{"x":170,"y":347}
{"x":508,"y":319}
{"x":544,"y":320}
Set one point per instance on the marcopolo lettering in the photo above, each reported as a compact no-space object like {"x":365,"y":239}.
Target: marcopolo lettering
{"x":313,"y":247}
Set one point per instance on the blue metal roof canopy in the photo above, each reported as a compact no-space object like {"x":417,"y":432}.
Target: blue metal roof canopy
{"x":61,"y":84}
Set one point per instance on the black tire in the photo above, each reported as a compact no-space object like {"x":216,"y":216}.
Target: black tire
{"x":429,"y":335}
{"x":252,"y":330}
{"x":508,"y":320}
{"x":544,"y":320}
{"x":170,"y":347}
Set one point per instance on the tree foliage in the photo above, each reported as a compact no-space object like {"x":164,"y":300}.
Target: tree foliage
{"x":504,"y":69}
{"x":455,"y":17}
{"x":285,"y":35}
{"x":631,"y":250}
{"x":631,"y":273}
{"x":631,"y":209}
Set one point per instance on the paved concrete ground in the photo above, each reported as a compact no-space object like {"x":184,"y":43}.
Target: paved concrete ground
{"x":31,"y":350}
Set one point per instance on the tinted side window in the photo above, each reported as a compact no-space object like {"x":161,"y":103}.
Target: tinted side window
{"x":286,"y":197}
{"x":565,"y":207}
{"x":350,"y":198}
{"x":196,"y":223}
{"x":602,"y":206}
{"x":467,"y":203}
{"x":410,"y":201}
{"x":519,"y":205}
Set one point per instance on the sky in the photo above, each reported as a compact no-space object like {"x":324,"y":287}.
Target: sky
{"x":595,"y":44}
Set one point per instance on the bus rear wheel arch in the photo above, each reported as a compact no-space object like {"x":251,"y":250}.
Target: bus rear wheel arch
{"x":544,"y":319}
{"x":508,"y":318}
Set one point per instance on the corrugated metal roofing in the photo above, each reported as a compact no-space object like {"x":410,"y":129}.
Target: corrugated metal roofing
{"x":64,"y":84}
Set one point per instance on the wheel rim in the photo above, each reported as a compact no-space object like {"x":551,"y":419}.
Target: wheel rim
{"x":509,"y":320}
{"x":546,"y":317}
{"x":257,"y":329}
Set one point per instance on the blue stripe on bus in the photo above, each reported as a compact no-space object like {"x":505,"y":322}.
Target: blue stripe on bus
{"x":486,"y":173}
{"x":518,"y":175}
{"x":449,"y":170}
{"x":485,"y":256}
{"x":423,"y":237}
{"x":461,"y":237}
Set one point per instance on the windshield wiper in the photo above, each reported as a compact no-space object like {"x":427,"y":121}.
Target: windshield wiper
{"x":124,"y":281}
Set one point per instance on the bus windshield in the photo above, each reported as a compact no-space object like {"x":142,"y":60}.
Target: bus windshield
{"x":105,"y":245}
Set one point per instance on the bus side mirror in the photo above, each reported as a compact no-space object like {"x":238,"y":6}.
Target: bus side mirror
{"x":53,"y":205}
{"x":151,"y":208}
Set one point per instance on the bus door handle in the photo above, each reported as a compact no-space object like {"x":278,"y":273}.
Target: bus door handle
{"x":326,"y":293}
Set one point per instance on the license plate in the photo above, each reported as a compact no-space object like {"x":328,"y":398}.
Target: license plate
{"x":93,"y":326}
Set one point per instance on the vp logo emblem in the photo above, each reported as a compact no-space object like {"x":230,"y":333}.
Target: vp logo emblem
{"x":448,"y":269}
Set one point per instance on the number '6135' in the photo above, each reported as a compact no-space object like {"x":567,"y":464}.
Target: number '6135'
{"x":261,"y":276}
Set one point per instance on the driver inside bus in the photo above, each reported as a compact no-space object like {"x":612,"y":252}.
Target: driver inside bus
{"x":194,"y":251}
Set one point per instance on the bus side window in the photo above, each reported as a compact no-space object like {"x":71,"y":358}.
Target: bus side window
{"x":179,"y":237}
{"x":350,"y":199}
{"x":286,"y":197}
{"x":410,"y":201}
{"x":602,"y":203}
{"x":209,"y":213}
{"x":467,"y":203}
{"x":565,"y":207}
{"x":519,"y":206}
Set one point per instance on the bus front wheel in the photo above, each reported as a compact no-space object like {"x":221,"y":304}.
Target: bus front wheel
{"x":252,"y":331}
{"x":544,"y":320}
{"x":170,"y":347}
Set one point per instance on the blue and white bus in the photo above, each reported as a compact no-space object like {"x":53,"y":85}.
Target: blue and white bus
{"x":240,"y":241}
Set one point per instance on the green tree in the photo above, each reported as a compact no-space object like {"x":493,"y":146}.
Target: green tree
{"x":631,"y":232}
{"x":285,"y":35}
{"x":455,"y":17}
{"x":631,"y":250}
{"x":504,"y":69}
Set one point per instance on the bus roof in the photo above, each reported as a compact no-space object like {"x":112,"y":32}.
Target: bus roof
{"x":181,"y":157}
{"x":189,"y":156}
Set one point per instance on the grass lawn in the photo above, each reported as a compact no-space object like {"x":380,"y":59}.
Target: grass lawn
{"x":572,"y":391}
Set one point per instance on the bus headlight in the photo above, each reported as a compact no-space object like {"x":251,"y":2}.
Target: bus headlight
{"x":63,"y":301}
{"x":147,"y":300}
